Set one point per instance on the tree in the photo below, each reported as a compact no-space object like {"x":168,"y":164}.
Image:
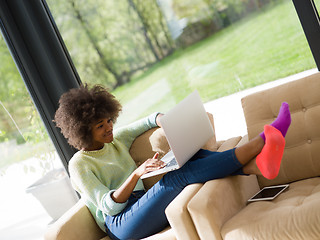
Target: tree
{"x":114,"y":39}
{"x":77,"y":13}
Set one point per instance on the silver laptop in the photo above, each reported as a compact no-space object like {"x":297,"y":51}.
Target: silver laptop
{"x":187,"y":128}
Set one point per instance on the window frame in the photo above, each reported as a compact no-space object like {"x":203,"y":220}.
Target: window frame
{"x":309,"y":19}
{"x":46,"y":66}
{"x":42,"y":59}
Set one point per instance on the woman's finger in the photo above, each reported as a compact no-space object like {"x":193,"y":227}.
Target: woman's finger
{"x":155,"y":164}
{"x":156,"y":155}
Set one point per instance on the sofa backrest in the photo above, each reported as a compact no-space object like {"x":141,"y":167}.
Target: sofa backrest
{"x":301,"y":158}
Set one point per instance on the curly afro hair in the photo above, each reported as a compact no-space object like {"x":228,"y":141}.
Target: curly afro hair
{"x":79,"y":108}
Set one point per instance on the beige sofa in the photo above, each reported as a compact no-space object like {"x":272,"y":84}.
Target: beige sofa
{"x":77,"y":223}
{"x":295,"y":214}
{"x":218,"y":209}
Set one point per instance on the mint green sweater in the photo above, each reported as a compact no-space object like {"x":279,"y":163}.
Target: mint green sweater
{"x":96,"y":174}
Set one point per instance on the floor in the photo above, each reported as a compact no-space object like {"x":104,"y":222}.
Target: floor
{"x":22,"y":215}
{"x":31,"y":224}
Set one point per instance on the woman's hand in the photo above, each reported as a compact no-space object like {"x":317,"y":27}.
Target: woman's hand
{"x":150,"y":165}
{"x":122,"y":194}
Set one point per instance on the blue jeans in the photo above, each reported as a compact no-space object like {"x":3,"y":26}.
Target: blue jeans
{"x":145,"y":213}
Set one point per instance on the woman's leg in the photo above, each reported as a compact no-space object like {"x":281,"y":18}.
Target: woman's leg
{"x":147,"y":215}
{"x":150,"y":208}
{"x":250,"y":150}
{"x":204,"y":166}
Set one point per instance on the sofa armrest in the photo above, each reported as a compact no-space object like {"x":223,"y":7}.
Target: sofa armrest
{"x":165,"y":234}
{"x":76,"y":224}
{"x":217,"y":201}
{"x":178,"y":215}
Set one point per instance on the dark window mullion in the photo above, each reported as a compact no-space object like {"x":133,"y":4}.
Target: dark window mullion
{"x":309,"y":18}
{"x":42,"y":59}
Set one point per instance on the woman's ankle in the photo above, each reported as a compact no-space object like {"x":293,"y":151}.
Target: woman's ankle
{"x":250,"y":150}
{"x":251,"y":168}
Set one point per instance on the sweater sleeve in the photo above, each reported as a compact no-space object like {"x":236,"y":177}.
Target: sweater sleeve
{"x":89,"y":186}
{"x":112,"y":206}
{"x":128,"y":134}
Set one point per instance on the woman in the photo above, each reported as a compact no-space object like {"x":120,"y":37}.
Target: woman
{"x":106,"y":177}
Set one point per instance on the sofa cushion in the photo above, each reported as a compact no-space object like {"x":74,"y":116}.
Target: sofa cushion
{"x":165,"y":234}
{"x":147,"y":144}
{"x":294,"y":214}
{"x":301,"y":158}
{"x":76,"y":224}
{"x":178,"y":215}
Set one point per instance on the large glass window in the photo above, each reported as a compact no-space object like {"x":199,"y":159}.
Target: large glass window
{"x":317,"y":3}
{"x":151,"y":54}
{"x":32,"y":177}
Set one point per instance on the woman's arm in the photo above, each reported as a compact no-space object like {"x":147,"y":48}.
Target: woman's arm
{"x":123,"y":193}
{"x":127,"y":134}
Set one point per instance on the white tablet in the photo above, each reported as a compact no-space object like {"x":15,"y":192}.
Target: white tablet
{"x":268,"y":193}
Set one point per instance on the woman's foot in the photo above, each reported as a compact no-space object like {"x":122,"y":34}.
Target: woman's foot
{"x":282,"y":122}
{"x":268,"y":161}
{"x":268,"y":148}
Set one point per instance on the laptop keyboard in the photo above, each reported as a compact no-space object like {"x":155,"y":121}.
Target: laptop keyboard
{"x":171,"y":163}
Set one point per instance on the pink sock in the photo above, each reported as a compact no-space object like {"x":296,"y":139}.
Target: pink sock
{"x":282,"y":122}
{"x":269,"y":159}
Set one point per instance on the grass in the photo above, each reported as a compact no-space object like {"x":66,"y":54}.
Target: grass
{"x":264,"y":46}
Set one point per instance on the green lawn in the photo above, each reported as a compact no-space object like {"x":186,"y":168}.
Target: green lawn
{"x":264,"y":46}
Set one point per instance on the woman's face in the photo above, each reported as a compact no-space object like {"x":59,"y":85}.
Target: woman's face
{"x":102,"y":132}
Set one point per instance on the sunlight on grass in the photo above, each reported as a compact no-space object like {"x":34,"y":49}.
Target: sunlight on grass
{"x":263,"y":47}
